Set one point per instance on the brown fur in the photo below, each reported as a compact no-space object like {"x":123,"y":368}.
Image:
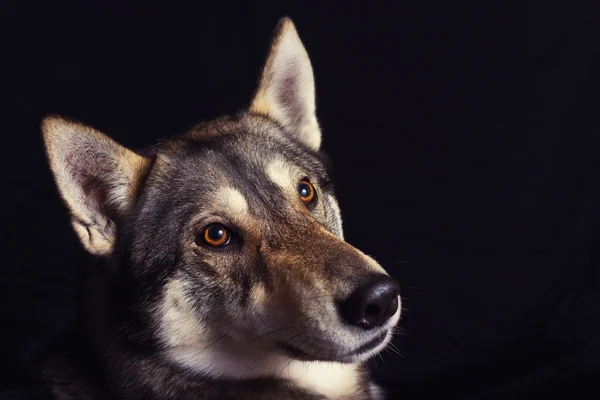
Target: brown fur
{"x":174,"y":318}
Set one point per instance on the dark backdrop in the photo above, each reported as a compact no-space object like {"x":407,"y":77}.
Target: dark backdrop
{"x":464,"y":138}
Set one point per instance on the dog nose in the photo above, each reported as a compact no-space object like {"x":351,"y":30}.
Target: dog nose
{"x":372,"y":303}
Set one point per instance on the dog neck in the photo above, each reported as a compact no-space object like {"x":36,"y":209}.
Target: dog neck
{"x":225,"y":360}
{"x":136,"y":376}
{"x":152,"y":378}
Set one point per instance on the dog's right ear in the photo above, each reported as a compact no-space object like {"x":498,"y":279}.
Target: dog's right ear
{"x":286,"y":91}
{"x":96,"y":177}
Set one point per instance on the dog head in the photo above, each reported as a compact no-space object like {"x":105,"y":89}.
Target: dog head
{"x":228,"y":239}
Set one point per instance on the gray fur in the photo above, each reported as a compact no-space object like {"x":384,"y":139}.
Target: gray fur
{"x":255,"y":319}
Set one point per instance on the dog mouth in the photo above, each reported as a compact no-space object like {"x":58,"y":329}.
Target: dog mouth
{"x":329,"y":354}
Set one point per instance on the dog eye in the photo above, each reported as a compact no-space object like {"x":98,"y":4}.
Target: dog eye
{"x":306,"y":191}
{"x":214,"y":235}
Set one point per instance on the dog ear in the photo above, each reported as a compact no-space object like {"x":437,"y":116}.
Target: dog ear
{"x":96,"y":177}
{"x":286,"y":92}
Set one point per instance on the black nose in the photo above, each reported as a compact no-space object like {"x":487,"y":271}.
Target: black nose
{"x":372,"y":303}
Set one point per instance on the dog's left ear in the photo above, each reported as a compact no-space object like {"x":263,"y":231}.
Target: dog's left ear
{"x":97,"y":178}
{"x":286,"y":92}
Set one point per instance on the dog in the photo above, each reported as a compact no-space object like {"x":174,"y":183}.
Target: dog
{"x":223,"y":273}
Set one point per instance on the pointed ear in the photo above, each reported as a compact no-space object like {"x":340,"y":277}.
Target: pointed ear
{"x":286,"y":92}
{"x":96,"y":177}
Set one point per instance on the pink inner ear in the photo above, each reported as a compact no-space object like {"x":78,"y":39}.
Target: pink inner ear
{"x":91,"y":172}
{"x":287,"y":92}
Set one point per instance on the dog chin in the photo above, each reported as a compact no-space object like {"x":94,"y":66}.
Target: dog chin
{"x":364,"y":355}
{"x":361,"y":353}
{"x":358,"y":354}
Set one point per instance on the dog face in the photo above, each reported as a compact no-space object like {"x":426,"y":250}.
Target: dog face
{"x":228,"y":239}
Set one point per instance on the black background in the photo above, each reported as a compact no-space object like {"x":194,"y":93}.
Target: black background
{"x":465,"y":144}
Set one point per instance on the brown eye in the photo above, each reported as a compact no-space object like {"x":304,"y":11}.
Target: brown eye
{"x":306,"y":191}
{"x":214,"y":235}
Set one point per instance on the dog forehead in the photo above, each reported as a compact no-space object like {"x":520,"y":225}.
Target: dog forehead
{"x":208,"y":164}
{"x":210,"y":176}
{"x":244,"y":158}
{"x":241,"y":153}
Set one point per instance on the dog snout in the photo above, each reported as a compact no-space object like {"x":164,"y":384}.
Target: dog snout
{"x":372,"y":303}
